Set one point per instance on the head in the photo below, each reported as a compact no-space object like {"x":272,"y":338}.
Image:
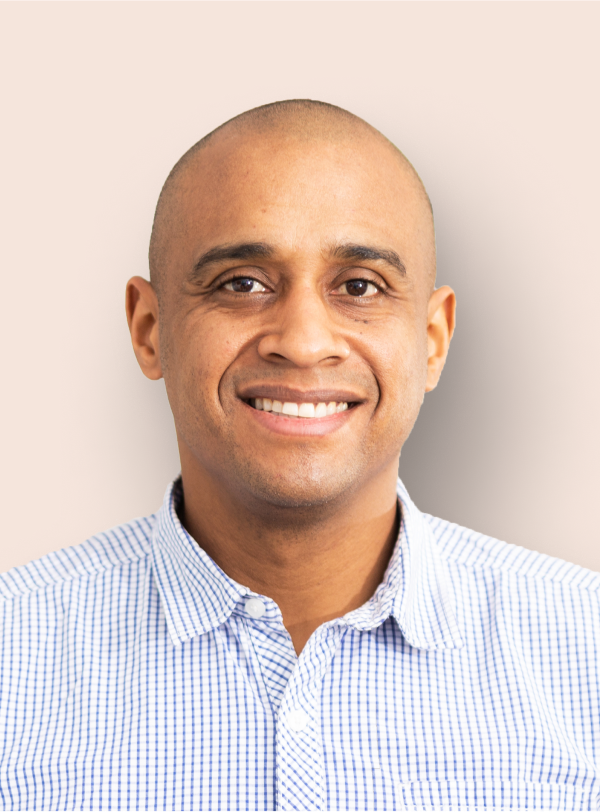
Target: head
{"x":292,"y":259}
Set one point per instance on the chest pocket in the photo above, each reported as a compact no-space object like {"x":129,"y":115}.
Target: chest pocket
{"x":494,"y":795}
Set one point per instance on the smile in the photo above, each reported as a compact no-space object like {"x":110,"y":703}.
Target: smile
{"x":301,"y":410}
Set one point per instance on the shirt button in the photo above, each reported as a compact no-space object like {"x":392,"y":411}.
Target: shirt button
{"x":297,"y":720}
{"x":255,"y":607}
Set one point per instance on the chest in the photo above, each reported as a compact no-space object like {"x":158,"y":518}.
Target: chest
{"x":231,"y":720}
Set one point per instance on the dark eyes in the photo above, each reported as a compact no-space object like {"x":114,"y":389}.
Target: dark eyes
{"x":244,"y":284}
{"x":359,"y":288}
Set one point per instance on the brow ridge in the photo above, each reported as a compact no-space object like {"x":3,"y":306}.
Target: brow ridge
{"x":350,"y":251}
{"x":261,"y":250}
{"x":220,"y":253}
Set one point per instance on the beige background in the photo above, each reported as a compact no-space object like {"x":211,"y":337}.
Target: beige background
{"x":496,"y":105}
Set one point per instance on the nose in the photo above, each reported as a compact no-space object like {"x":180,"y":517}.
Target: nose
{"x":303,"y":333}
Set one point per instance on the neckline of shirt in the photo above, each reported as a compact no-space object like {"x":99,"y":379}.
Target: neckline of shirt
{"x":197,"y":596}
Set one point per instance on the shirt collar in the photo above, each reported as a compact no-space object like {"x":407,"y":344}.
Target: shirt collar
{"x":197,"y":596}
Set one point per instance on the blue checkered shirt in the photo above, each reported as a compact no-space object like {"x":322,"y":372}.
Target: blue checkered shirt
{"x":135,"y":674}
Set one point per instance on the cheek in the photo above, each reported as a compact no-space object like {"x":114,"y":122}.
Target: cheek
{"x":401,"y":373}
{"x":200,"y":350}
{"x":401,"y":364}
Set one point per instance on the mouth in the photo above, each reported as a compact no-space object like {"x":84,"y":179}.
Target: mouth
{"x":289,"y":411}
{"x":304,"y":410}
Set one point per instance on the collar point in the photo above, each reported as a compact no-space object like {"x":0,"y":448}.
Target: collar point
{"x":432,"y":639}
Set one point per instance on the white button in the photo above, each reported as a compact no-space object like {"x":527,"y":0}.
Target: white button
{"x":297,"y":720}
{"x":255,"y":607}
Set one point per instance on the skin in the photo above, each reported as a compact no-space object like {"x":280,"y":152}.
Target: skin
{"x":304,"y":514}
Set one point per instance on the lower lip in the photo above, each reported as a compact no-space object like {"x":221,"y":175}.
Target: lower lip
{"x":301,"y":426}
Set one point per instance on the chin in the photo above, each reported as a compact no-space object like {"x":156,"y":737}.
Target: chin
{"x":305,"y":487}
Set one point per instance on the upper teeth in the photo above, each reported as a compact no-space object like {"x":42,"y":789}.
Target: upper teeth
{"x":298,"y":409}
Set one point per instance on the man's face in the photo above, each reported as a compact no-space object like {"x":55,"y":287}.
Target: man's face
{"x":283,"y":283}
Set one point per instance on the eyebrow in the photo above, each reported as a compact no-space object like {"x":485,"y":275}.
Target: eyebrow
{"x":352,"y":251}
{"x":244,"y":250}
{"x":261,"y":250}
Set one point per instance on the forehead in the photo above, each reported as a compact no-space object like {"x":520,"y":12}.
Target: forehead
{"x":299,"y":195}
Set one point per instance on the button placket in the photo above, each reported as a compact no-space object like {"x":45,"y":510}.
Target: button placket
{"x":299,"y":743}
{"x":272,"y":648}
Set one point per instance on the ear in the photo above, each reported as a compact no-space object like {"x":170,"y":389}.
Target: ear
{"x":441,"y":314}
{"x":141,"y":305}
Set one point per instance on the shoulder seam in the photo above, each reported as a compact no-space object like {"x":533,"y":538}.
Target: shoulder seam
{"x":532,"y":576}
{"x":31,"y":578}
{"x":92,"y":573}
{"x":588,"y":580}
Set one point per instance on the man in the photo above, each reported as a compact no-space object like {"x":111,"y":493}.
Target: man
{"x":289,"y":631}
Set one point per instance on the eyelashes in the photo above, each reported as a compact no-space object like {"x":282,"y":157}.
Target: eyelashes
{"x":244,"y":284}
{"x":358,"y":288}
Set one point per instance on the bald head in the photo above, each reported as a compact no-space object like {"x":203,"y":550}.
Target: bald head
{"x":304,"y":122}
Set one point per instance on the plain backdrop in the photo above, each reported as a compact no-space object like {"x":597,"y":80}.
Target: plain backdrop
{"x":496,"y":104}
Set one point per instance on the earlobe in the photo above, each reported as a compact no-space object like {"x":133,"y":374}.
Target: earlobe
{"x":441,"y":317}
{"x":141,"y":306}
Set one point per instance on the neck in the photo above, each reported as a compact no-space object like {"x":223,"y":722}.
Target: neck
{"x":316,"y":564}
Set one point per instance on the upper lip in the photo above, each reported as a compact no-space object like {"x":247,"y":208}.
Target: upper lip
{"x":288,"y":394}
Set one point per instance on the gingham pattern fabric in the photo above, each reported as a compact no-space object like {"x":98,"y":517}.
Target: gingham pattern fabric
{"x":135,"y":676}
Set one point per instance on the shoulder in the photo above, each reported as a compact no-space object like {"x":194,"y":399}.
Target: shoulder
{"x":473,"y":552}
{"x":119,"y":546}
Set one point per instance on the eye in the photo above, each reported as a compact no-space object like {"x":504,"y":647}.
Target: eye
{"x":244,"y":284}
{"x":359,"y":287}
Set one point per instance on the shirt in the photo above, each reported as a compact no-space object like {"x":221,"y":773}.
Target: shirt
{"x":135,"y":674}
